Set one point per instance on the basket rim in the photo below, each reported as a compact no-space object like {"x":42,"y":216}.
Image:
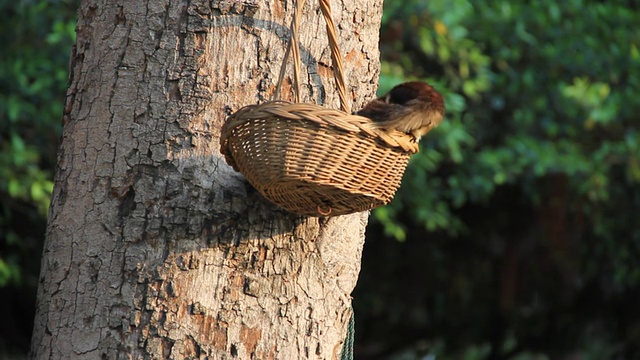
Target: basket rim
{"x":322,"y":116}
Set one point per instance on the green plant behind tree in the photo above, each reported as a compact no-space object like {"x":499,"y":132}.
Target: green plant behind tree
{"x":537,"y":164}
{"x":36,"y":37}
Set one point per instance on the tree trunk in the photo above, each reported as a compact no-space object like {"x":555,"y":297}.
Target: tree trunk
{"x":155,"y":247}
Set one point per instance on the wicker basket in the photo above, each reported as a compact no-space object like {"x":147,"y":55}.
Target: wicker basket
{"x":311,"y":160}
{"x":315,"y":161}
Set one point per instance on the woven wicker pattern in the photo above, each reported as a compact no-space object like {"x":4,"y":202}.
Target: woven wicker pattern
{"x":315,"y":161}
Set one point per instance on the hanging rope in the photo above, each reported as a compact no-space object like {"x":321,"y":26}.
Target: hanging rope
{"x":347,"y":347}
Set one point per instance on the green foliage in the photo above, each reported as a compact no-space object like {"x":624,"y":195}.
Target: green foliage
{"x":36,"y":38}
{"x":539,"y":153}
{"x":561,"y":112}
{"x":527,"y":96}
{"x":33,"y":73}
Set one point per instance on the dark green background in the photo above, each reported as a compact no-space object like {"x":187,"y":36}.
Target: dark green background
{"x":516,"y":231}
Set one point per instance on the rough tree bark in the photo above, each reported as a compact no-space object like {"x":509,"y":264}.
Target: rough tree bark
{"x":155,"y":248}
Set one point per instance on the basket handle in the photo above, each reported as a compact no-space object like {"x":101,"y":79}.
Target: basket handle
{"x":293,"y":48}
{"x":336,"y":56}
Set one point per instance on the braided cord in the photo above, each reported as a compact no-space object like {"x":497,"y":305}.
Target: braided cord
{"x":347,"y":347}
